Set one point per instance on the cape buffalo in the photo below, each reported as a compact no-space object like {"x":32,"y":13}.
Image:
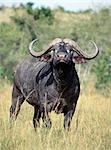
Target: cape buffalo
{"x":49,"y":81}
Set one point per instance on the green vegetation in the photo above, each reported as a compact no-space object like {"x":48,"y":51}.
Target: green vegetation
{"x":21,"y":25}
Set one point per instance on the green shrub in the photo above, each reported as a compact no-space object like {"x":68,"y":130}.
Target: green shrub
{"x":40,"y":13}
{"x":103,"y":73}
{"x":2,"y":73}
{"x":29,"y":8}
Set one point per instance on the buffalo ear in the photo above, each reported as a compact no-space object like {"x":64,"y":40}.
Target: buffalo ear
{"x":45,"y":57}
{"x":79,"y":59}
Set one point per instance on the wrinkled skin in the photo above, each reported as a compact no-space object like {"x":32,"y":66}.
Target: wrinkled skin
{"x":51,"y":85}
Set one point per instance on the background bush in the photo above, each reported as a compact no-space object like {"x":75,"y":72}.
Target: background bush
{"x":27,"y":23}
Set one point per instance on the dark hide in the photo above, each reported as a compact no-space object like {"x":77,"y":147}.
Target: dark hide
{"x":48,"y":86}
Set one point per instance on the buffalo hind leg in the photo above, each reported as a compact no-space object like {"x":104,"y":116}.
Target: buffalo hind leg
{"x":17,"y":100}
{"x":68,"y":117}
{"x":36,"y":117}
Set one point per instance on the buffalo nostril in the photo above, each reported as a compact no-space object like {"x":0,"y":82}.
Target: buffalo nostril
{"x":61,"y":56}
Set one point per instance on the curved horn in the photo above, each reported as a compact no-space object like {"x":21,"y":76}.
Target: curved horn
{"x":33,"y":53}
{"x":38,"y":54}
{"x":80,"y":51}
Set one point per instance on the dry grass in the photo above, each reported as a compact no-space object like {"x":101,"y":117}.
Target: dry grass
{"x":5,"y":15}
{"x":71,"y":17}
{"x":90,"y":129}
{"x":63,"y":17}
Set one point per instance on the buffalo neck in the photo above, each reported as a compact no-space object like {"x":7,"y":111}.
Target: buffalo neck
{"x":65,"y":80}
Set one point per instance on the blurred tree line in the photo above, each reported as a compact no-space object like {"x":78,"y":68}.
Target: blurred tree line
{"x":28,"y":23}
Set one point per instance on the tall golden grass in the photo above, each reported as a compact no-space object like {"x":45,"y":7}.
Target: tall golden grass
{"x":90,"y":128}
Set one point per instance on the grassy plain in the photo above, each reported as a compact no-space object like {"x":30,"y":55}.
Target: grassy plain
{"x":90,"y":128}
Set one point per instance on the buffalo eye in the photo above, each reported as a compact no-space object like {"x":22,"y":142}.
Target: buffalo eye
{"x":68,"y":51}
{"x":56,"y":51}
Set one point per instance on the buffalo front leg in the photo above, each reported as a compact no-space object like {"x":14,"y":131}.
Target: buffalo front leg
{"x":46,"y":120}
{"x":68,"y":117}
{"x":36,"y":118}
{"x":45,"y":115}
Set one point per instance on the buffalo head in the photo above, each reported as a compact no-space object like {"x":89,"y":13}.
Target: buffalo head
{"x":63,"y":51}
